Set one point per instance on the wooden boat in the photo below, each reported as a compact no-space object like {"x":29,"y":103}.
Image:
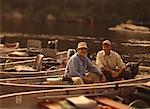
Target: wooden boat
{"x":31,"y":99}
{"x":10,"y":85}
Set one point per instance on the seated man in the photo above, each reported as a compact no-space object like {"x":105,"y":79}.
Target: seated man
{"x":111,"y":63}
{"x":79,"y":64}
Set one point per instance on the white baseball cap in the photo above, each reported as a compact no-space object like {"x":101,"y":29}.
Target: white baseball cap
{"x":106,"y":42}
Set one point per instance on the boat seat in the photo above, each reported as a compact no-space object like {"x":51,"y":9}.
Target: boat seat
{"x":36,"y":67}
{"x":34,"y":47}
{"x":66,"y":105}
{"x":48,"y":52}
{"x":112,"y":103}
{"x":56,"y":81}
{"x":83,"y":102}
{"x":64,"y":81}
{"x":77,"y":80}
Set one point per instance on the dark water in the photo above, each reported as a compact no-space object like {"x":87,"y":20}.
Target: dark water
{"x":63,"y":28}
{"x":134,"y":47}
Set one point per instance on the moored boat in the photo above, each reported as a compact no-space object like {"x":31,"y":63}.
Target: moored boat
{"x":41,"y":66}
{"x":42,"y":82}
{"x":22,"y":100}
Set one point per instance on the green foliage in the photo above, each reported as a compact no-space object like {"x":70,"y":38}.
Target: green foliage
{"x":100,"y":10}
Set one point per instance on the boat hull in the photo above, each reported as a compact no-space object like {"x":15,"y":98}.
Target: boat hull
{"x":30,"y":100}
{"x":14,"y":85}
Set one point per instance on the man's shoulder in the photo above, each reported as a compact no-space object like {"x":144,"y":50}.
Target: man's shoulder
{"x":75,"y":56}
{"x":100,"y":52}
{"x":115,"y":53}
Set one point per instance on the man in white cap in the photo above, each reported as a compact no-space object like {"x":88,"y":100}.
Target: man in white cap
{"x":111,"y":63}
{"x":79,"y":65}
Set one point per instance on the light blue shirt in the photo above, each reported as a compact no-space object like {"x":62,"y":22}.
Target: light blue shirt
{"x":77,"y":66}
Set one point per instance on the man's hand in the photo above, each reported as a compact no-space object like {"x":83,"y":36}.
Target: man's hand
{"x":114,"y":74}
{"x":87,"y":80}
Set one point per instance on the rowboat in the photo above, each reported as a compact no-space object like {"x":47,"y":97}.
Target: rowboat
{"x":31,"y":99}
{"x":10,"y":85}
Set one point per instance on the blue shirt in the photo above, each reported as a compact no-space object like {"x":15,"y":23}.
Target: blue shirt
{"x":77,"y":66}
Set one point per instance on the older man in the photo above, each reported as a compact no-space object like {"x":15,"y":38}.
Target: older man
{"x":111,"y":63}
{"x":79,"y":65}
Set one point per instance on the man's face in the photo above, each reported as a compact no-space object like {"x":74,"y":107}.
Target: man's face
{"x":82,"y":52}
{"x":106,"y":48}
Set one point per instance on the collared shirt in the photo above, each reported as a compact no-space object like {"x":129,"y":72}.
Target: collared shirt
{"x":109,"y":61}
{"x":77,"y":66}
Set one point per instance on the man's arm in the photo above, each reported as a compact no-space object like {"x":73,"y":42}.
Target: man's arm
{"x":120,"y":64}
{"x":93,"y":68}
{"x":121,"y":67}
{"x":107,"y":69}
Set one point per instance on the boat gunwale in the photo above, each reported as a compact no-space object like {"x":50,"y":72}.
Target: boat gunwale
{"x":35,"y":72}
{"x":68,"y":89}
{"x":72,"y":86}
{"x":21,"y":62}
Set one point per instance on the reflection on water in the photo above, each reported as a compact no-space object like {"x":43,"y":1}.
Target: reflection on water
{"x":63,"y":28}
{"x":133,"y":47}
{"x":135,"y":42}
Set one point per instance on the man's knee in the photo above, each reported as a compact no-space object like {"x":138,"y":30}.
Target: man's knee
{"x":77,"y":80}
{"x":106,"y":75}
{"x":95,"y":78}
